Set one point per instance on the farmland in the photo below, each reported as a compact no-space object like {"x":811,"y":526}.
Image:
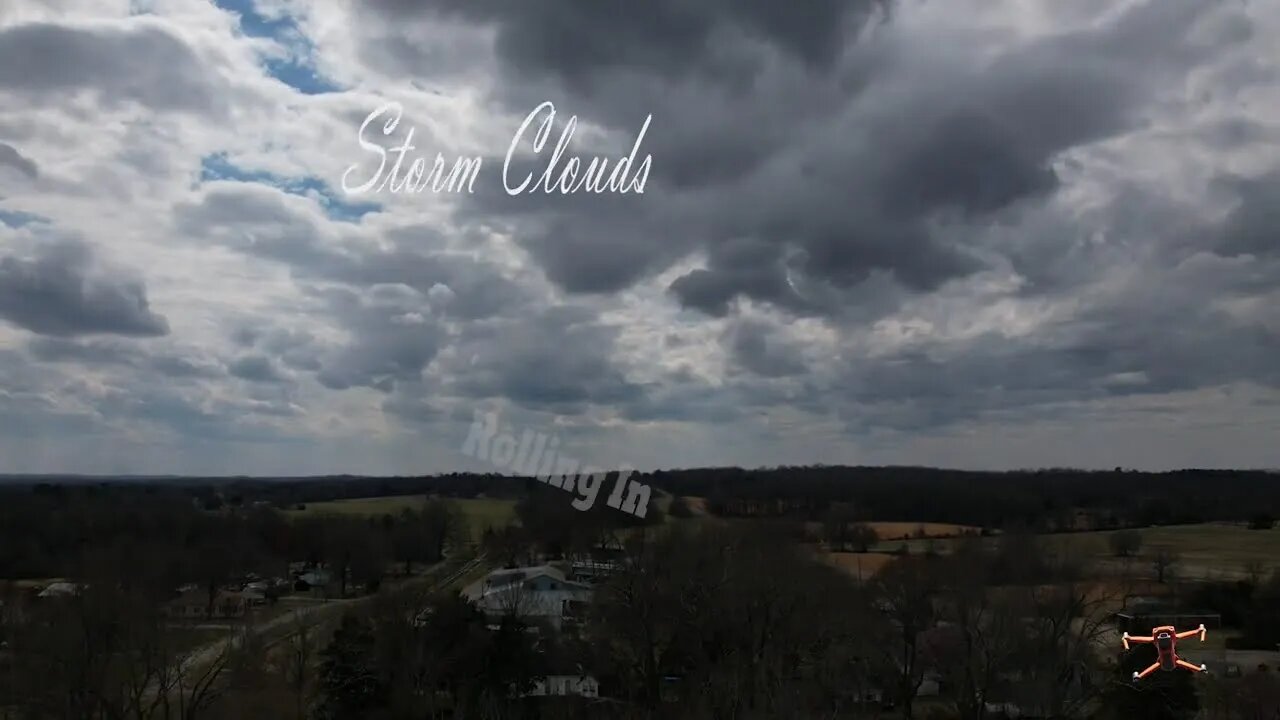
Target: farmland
{"x":1207,"y":550}
{"x":905,"y":530}
{"x":859,"y":565}
{"x":1203,"y":551}
{"x":481,"y":513}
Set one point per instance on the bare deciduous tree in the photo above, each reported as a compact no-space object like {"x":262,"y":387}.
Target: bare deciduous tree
{"x":904,"y":594}
{"x":300,"y":650}
{"x":1164,"y":562}
{"x":1125,"y":543}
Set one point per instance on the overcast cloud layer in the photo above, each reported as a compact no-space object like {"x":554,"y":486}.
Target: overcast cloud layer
{"x":975,"y":233}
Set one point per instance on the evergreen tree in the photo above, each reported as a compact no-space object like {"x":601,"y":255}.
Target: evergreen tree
{"x":348,"y":675}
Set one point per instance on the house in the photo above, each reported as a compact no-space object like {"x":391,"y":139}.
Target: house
{"x":60,"y":590}
{"x":565,"y":686}
{"x":313,"y":579}
{"x":540,"y":593}
{"x":589,"y":571}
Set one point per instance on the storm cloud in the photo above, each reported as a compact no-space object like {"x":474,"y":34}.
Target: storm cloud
{"x":61,"y":293}
{"x":874,"y":231}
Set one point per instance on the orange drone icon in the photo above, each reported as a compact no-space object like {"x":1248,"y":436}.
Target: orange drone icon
{"x":1165,"y":638}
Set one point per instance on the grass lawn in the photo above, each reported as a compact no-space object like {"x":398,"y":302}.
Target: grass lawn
{"x":481,"y":513}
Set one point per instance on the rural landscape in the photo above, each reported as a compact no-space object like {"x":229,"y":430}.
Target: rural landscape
{"x":639,"y":360}
{"x":783,"y":592}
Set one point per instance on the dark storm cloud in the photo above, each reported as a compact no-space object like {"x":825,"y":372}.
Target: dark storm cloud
{"x":685,"y":401}
{"x":59,"y":350}
{"x":896,"y":181}
{"x":393,"y":338}
{"x":296,"y":349}
{"x":62,"y":293}
{"x":9,"y":156}
{"x":1160,"y":333}
{"x":412,"y":403}
{"x":189,"y":416}
{"x":123,"y":354}
{"x":558,"y":358}
{"x":139,"y":61}
{"x":762,"y":350}
{"x":817,"y":170}
{"x":255,"y":368}
{"x":394,"y":306}
{"x":805,"y":184}
{"x":27,"y":409}
{"x":576,"y":39}
{"x":269,"y":223}
{"x":40,"y":398}
{"x":1253,"y":227}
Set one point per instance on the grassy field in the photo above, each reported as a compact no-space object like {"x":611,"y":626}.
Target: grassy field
{"x":1209,"y":550}
{"x":1206,"y":551}
{"x":481,"y":513}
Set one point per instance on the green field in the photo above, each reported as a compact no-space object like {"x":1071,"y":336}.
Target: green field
{"x":1209,"y":550}
{"x":1203,"y":551}
{"x":481,"y":513}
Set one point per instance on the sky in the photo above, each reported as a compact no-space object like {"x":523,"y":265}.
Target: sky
{"x":979,"y":234}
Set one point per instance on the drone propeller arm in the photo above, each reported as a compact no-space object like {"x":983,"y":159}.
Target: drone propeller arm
{"x":1189,"y":666}
{"x":1127,"y":638}
{"x":1148,"y":671}
{"x":1192,"y":633}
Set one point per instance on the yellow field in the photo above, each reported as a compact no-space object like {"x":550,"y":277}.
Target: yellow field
{"x":481,"y":513}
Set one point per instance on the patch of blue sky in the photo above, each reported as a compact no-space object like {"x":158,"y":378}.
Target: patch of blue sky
{"x":18,"y":219}
{"x":217,"y":167}
{"x":296,"y":69}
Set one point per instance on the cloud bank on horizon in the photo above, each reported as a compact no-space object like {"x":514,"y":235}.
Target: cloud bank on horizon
{"x":980,"y":233}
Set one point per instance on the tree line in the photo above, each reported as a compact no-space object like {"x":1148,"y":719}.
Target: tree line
{"x":1046,"y":500}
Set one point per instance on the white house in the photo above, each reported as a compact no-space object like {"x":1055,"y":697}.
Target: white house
{"x":590,"y":571}
{"x":565,"y":686}
{"x":540,"y":593}
{"x":60,"y":589}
